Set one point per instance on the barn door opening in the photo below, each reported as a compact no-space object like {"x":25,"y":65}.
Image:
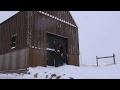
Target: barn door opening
{"x":52,"y":42}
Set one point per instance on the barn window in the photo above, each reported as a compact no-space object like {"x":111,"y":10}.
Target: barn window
{"x":13,"y":42}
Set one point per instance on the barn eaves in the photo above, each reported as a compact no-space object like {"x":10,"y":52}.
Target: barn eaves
{"x":56,"y":18}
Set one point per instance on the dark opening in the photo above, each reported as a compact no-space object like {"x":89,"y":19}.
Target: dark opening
{"x":52,"y":43}
{"x":13,"y":41}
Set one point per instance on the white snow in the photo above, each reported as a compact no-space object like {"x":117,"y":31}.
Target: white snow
{"x":50,"y":49}
{"x":12,"y":47}
{"x":51,"y":16}
{"x":32,"y":46}
{"x":68,"y":72}
{"x":98,"y":35}
{"x":14,"y":35}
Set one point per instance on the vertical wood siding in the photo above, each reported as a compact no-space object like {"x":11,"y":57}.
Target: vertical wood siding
{"x":44,"y":24}
{"x":37,"y":58}
{"x":31,"y":28}
{"x":14,"y":25}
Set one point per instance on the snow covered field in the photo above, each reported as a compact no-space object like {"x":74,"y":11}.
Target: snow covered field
{"x":98,"y":35}
{"x":68,"y":72}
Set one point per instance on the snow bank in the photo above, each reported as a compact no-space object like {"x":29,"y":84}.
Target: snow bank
{"x":68,"y":72}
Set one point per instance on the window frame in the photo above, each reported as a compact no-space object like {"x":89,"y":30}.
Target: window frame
{"x":13,"y":41}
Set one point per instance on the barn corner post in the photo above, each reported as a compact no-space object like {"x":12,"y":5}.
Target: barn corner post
{"x":114,"y":58}
{"x":97,"y":60}
{"x":79,"y":54}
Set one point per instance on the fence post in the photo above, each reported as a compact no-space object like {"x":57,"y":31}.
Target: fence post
{"x":97,"y":60}
{"x":114,"y":58}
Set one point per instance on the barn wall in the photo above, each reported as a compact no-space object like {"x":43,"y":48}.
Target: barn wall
{"x":0,"y":41}
{"x":73,"y":60}
{"x":22,"y":59}
{"x":31,"y":28}
{"x":17,"y":24}
{"x":14,"y":60}
{"x":36,"y":40}
{"x":36,"y":58}
{"x":64,"y":15}
{"x":44,"y":24}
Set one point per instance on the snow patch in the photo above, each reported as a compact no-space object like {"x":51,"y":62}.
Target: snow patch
{"x":12,"y":47}
{"x":67,"y":72}
{"x":50,"y":49}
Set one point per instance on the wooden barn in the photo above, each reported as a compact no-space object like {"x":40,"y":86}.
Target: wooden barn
{"x":28,"y":38}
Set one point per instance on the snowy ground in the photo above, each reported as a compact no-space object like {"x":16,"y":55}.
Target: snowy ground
{"x":68,"y":72}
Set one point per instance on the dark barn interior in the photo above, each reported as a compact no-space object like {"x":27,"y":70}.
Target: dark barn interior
{"x":52,"y":42}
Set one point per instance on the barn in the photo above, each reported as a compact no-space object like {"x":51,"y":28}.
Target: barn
{"x":28,"y":38}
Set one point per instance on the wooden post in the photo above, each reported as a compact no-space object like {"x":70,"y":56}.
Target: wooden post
{"x":114,"y":58}
{"x":97,"y":60}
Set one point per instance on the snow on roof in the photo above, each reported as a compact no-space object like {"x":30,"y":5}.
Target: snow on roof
{"x":56,"y":18}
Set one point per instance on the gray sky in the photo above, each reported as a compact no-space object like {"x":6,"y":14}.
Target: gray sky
{"x":98,"y":33}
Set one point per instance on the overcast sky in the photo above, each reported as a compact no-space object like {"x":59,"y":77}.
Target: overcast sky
{"x":99,"y":33}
